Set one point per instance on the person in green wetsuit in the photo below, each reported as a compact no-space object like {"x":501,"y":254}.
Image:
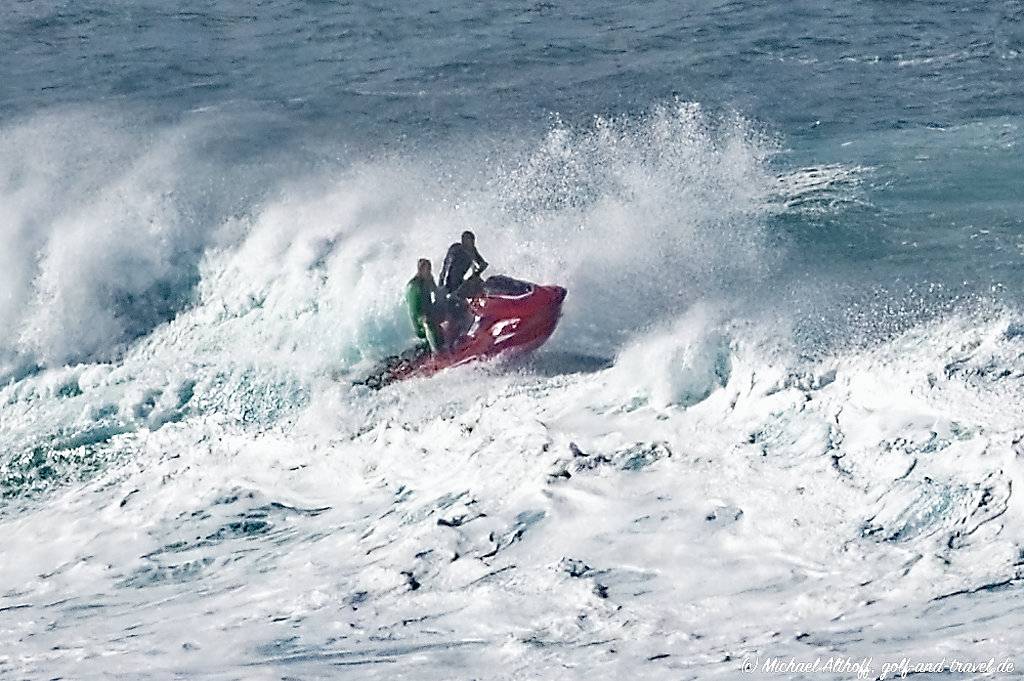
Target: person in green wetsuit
{"x":421,"y":297}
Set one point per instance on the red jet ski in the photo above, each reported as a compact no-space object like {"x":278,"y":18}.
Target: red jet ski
{"x":506,"y":317}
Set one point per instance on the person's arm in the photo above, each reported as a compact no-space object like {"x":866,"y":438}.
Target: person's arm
{"x":478,"y":261}
{"x":414,"y":301}
{"x":449,"y":256}
{"x":436,"y":296}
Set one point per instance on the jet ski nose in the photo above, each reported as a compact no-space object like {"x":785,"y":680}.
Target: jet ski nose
{"x":560,"y":294}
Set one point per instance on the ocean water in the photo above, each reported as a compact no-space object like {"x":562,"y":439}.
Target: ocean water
{"x":780,"y":419}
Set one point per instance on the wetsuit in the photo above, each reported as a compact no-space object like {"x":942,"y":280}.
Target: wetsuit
{"x":457,"y":262}
{"x":419,"y":296}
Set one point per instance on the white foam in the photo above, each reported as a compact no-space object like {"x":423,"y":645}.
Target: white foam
{"x":215,"y":497}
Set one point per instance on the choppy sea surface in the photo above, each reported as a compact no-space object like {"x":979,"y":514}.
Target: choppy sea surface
{"x":780,"y":421}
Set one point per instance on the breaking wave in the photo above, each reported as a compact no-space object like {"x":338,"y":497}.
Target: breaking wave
{"x":113,"y":234}
{"x":178,"y":419}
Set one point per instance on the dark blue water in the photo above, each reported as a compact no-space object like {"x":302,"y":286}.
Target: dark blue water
{"x":816,"y":72}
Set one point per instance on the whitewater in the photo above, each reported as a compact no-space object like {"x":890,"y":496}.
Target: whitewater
{"x":777,"y":433}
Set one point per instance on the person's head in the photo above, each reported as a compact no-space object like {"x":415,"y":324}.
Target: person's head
{"x":468,"y":239}
{"x":423,"y":267}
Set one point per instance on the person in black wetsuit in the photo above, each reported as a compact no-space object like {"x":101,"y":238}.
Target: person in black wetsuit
{"x":461,"y":257}
{"x":453,"y":286}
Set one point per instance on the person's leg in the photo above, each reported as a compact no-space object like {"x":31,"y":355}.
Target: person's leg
{"x":462,"y":317}
{"x":432,"y":332}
